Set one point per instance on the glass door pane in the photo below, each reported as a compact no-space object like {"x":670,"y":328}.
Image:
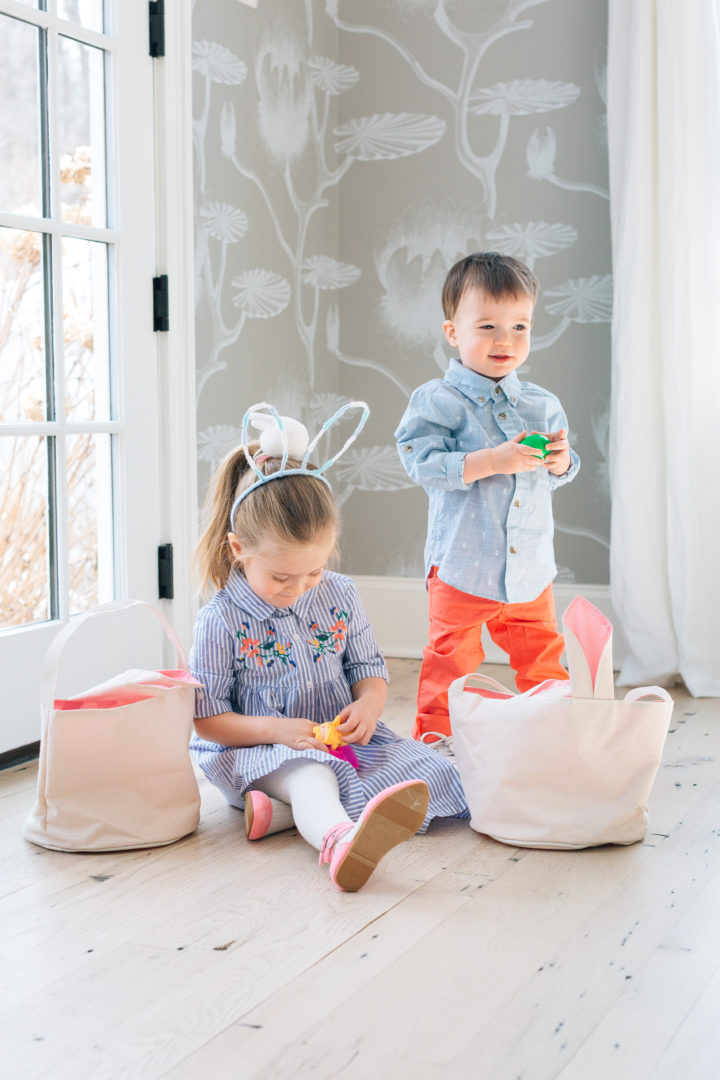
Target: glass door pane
{"x":87,"y":13}
{"x":24,"y":542}
{"x":79,"y":450}
{"x":90,"y":534}
{"x":23,"y":343}
{"x":81,"y":132}
{"x":86,"y":330}
{"x":20,"y":129}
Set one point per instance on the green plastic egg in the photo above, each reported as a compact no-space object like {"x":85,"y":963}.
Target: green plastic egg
{"x":539,"y":441}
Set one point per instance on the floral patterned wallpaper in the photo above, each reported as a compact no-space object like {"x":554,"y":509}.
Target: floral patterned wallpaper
{"x":346,"y":155}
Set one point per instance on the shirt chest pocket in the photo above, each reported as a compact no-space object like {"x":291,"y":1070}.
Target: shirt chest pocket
{"x":535,"y":423}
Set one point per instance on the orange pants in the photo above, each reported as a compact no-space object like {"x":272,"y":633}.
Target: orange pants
{"x":527,"y":632}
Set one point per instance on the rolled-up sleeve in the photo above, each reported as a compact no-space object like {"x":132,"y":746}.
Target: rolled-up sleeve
{"x":427,"y":445}
{"x":362,"y":658}
{"x":558,"y":481}
{"x":558,"y":420}
{"x":212,"y":662}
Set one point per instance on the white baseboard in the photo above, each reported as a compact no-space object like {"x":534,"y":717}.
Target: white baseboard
{"x":397,"y":609}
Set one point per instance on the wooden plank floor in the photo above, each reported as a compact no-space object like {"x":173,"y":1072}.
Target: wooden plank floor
{"x":461,"y":958}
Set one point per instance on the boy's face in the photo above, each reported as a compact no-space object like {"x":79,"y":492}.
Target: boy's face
{"x":491,"y":335}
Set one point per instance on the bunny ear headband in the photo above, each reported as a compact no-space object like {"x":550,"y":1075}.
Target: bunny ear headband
{"x":284,"y":427}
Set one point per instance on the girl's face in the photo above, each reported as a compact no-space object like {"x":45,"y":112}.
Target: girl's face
{"x":282,"y":572}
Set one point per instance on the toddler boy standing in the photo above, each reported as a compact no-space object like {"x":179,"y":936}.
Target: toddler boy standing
{"x":489,"y":551}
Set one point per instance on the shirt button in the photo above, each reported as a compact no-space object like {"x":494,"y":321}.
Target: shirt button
{"x":513,"y":550}
{"x":502,"y":416}
{"x":497,"y":389}
{"x":517,"y":503}
{"x":407,"y":449}
{"x":481,"y":399}
{"x":513,"y":399}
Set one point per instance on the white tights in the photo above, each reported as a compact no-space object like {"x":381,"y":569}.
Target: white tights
{"x":311,"y":788}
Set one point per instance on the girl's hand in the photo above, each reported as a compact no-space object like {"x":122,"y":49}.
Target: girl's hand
{"x":297,"y":733}
{"x":558,"y":459}
{"x":358,"y":722}
{"x":513,"y":457}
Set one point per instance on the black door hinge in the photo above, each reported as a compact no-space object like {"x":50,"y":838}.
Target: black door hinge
{"x":157,"y":27}
{"x":165,"y":572}
{"x":161,"y":303}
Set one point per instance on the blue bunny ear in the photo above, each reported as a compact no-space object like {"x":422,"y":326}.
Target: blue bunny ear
{"x":251,"y":415}
{"x":330,"y":423}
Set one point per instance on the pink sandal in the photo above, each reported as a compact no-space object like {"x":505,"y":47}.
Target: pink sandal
{"x":264,"y":815}
{"x":389,"y":818}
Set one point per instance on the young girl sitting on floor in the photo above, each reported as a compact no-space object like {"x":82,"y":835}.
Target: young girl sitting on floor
{"x":284,"y":645}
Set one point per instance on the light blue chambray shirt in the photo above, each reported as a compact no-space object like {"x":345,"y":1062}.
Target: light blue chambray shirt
{"x":492,"y":538}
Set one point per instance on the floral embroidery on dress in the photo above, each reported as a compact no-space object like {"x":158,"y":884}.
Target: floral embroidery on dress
{"x":266,"y":652}
{"x":331,"y":640}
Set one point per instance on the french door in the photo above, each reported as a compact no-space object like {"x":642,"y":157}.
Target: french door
{"x":79,"y":400}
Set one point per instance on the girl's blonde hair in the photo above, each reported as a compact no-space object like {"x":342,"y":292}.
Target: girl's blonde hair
{"x":294,"y":509}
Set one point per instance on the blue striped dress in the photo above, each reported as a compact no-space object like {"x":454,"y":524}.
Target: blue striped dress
{"x":259,"y":660}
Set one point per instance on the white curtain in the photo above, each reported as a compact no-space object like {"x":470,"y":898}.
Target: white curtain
{"x":664,"y":142}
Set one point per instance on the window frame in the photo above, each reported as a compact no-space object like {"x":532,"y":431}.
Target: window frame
{"x":162,"y":364}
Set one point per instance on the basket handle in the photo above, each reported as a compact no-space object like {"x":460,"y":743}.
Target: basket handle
{"x":477,"y":679}
{"x":51,"y":665}
{"x":641,"y":692}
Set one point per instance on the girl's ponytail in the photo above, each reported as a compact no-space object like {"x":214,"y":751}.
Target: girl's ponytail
{"x":213,"y":555}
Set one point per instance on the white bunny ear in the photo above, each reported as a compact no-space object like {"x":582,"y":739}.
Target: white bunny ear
{"x":262,"y":421}
{"x":280,"y":434}
{"x":588,"y":637}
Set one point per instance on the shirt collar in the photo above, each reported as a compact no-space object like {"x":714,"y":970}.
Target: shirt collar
{"x":479,"y":388}
{"x":241,"y":594}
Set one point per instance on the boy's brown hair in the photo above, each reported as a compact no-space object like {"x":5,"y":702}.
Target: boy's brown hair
{"x":497,"y":275}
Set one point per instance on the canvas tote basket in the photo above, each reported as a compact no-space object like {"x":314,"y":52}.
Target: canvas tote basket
{"x":563,"y":765}
{"x":115,"y":769}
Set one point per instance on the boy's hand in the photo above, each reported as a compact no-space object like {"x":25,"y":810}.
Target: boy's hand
{"x":298,"y":734}
{"x":558,"y":453}
{"x":358,"y":722}
{"x":513,"y":457}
